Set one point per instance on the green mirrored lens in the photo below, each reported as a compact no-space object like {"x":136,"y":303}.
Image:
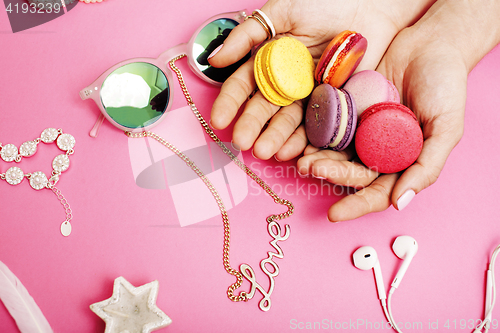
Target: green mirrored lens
{"x":209,"y":38}
{"x":136,"y":94}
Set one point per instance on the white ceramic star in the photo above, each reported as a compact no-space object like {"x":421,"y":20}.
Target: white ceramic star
{"x":131,"y":309}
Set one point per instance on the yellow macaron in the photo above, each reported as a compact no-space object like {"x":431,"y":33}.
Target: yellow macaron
{"x":284,"y":71}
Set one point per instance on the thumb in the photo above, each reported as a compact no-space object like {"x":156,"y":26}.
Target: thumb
{"x":240,"y":41}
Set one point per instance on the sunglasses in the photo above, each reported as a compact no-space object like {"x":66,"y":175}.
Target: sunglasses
{"x":135,"y":95}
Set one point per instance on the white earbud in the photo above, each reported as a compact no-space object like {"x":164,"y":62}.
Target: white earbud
{"x":405,"y":247}
{"x":366,"y":258}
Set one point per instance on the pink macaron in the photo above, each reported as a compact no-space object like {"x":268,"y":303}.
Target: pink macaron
{"x":370,"y":87}
{"x":388,"y":138}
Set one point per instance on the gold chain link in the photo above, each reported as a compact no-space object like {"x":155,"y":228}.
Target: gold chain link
{"x":242,"y":296}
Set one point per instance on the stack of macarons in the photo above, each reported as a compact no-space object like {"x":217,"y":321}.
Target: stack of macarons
{"x":388,"y":136}
{"x":331,"y":113}
{"x":343,"y":107}
{"x":284,"y":71}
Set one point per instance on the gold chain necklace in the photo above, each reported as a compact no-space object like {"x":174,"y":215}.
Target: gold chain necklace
{"x":274,"y":229}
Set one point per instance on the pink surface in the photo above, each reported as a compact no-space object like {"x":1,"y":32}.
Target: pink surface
{"x":155,"y":167}
{"x":121,"y":229}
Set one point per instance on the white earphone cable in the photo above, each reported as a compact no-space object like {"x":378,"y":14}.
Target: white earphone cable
{"x":489,"y":307}
{"x":366,"y":258}
{"x":386,"y":313}
{"x":391,"y":318}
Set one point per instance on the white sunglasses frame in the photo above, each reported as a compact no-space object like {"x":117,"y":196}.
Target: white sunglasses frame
{"x":92,"y":91}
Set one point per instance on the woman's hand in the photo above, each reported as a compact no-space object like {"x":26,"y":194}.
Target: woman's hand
{"x":429,"y":63}
{"x":314,"y":23}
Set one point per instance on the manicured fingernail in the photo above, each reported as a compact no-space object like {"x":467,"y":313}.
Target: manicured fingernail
{"x":405,"y":199}
{"x":210,"y":123}
{"x":318,"y":177}
{"x":331,"y":221}
{"x":276,"y":158}
{"x":214,"y":52}
{"x":236,"y":147}
{"x":254,"y":155}
{"x":299,"y":171}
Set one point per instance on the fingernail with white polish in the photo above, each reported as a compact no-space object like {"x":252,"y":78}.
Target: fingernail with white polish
{"x":235,"y":146}
{"x":254,"y":155}
{"x":214,"y":52}
{"x":405,"y":199}
{"x":318,"y":177}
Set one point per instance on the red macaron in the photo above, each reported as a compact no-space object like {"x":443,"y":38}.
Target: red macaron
{"x":388,"y":138}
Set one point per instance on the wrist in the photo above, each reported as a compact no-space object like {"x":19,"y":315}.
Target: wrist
{"x":469,"y":26}
{"x":407,"y":13}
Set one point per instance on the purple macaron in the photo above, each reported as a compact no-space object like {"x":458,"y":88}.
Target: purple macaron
{"x":330,"y":118}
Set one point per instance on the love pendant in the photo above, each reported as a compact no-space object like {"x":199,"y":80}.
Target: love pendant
{"x":268,"y":266}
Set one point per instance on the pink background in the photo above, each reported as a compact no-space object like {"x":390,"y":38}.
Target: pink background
{"x":120,"y":229}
